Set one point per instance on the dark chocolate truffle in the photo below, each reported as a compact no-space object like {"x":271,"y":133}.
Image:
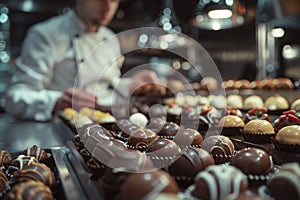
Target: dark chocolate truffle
{"x":169,"y":130}
{"x":253,"y":161}
{"x":192,"y":161}
{"x":257,"y":113}
{"x":285,"y":184}
{"x":163,"y":152}
{"x":188,"y":137}
{"x":156,"y":124}
{"x":290,"y":117}
{"x":148,"y":185}
{"x":141,"y":138}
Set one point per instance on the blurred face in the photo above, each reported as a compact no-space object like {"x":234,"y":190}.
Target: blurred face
{"x":97,"y":12}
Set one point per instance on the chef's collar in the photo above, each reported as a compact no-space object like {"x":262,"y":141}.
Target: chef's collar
{"x":79,"y":25}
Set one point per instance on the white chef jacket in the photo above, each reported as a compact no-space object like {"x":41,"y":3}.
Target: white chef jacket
{"x":58,"y":54}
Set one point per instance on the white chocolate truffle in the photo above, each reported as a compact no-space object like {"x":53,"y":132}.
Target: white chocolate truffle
{"x":138,"y":119}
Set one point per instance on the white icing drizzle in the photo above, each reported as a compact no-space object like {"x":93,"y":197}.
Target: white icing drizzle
{"x":20,"y":159}
{"x":219,"y":176}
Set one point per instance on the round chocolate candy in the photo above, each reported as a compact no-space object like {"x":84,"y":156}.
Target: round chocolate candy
{"x":140,"y":139}
{"x":148,"y":185}
{"x":253,"y":161}
{"x":219,"y":182}
{"x":192,"y":161}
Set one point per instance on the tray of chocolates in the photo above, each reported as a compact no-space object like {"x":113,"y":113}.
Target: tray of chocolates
{"x":38,"y":173}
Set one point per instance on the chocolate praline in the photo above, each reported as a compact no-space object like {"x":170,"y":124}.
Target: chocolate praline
{"x":220,"y":147}
{"x":5,"y":158}
{"x":219,"y":182}
{"x":257,"y":113}
{"x":3,"y":181}
{"x":149,"y":185}
{"x":141,"y":138}
{"x":253,"y":161}
{"x":156,"y":124}
{"x":188,"y":137}
{"x":163,"y":152}
{"x":192,"y":161}
{"x":284,"y":184}
{"x":290,"y":117}
{"x":30,"y":190}
{"x":169,"y":130}
{"x":20,"y":162}
{"x":37,"y":152}
{"x":37,"y":172}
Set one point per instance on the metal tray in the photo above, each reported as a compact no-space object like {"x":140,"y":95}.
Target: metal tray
{"x":68,"y":179}
{"x":82,"y":174}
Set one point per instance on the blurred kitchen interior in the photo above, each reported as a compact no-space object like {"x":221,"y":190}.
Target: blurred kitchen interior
{"x":238,"y":52}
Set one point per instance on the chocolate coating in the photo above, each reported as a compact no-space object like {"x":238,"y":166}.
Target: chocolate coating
{"x":169,"y":130}
{"x":163,"y":152}
{"x":37,"y":152}
{"x":30,"y":190}
{"x":253,"y":161}
{"x":3,"y":180}
{"x":284,"y":184}
{"x":20,"y":162}
{"x":219,"y":181}
{"x":188,"y":137}
{"x":140,"y":139}
{"x":156,"y":124}
{"x":141,"y":185}
{"x":221,"y":147}
{"x":257,"y":113}
{"x":37,"y":172}
{"x":192,"y":161}
{"x":287,"y":118}
{"x":5,"y":158}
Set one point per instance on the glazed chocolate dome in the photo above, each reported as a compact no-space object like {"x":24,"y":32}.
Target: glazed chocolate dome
{"x":140,"y":138}
{"x":285,"y":183}
{"x":192,"y":161}
{"x":163,"y":152}
{"x":148,"y":185}
{"x":253,"y":161}
{"x":156,"y":124}
{"x":169,"y":130}
{"x":188,"y":137}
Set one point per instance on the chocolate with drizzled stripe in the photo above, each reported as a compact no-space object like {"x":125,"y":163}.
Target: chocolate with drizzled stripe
{"x":37,"y":152}
{"x":37,"y":172}
{"x":5,"y":158}
{"x":32,"y":190}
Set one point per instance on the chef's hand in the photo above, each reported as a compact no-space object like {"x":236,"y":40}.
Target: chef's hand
{"x":143,"y":77}
{"x":74,"y":98}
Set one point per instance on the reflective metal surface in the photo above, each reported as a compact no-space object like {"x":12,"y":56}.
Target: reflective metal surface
{"x":18,"y":135}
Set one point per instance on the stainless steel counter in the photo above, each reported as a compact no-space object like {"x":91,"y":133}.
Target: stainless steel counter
{"x":18,"y":135}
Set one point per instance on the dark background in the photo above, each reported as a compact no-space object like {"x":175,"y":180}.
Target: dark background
{"x":233,"y":50}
